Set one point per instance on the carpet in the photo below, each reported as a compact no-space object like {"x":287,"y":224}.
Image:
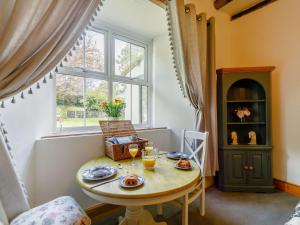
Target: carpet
{"x":227,"y":208}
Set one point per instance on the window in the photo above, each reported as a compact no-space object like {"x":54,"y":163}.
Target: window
{"x":103,"y":66}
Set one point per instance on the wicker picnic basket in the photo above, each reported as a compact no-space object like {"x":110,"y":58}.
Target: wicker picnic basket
{"x":120,"y":128}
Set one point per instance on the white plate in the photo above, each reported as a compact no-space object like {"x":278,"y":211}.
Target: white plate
{"x":182,"y":168}
{"x":89,"y":174}
{"x":177,"y":155}
{"x":140,"y":181}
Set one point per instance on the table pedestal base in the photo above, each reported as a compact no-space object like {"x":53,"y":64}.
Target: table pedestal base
{"x":136,"y":215}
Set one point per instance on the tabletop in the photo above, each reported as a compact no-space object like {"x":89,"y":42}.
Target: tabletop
{"x":164,"y":180}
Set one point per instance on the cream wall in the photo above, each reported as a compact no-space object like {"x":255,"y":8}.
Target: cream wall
{"x":170,"y":108}
{"x":271,"y":36}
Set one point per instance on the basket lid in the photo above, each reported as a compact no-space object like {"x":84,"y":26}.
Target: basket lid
{"x":118,"y":128}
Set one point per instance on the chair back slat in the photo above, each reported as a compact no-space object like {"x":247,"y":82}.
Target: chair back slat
{"x":198,"y":149}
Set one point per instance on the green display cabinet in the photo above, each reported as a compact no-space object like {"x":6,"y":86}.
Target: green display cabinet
{"x":244,"y":129}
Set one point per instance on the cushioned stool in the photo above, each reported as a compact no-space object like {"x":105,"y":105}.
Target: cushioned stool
{"x":61,"y":211}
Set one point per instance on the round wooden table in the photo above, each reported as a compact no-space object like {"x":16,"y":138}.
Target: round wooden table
{"x":164,"y":184}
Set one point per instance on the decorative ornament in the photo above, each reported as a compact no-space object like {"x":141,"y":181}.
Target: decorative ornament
{"x":2,"y":105}
{"x":252,"y":137}
{"x":30,"y":91}
{"x":13,"y":101}
{"x":242,"y":112}
{"x":234,"y":138}
{"x":22,"y":95}
{"x":44,"y":80}
{"x":38,"y":85}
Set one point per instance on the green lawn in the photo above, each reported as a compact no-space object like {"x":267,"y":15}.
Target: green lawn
{"x":79,"y":122}
{"x":74,"y":122}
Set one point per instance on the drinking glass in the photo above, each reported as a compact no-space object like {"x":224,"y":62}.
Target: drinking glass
{"x":149,"y":159}
{"x":133,"y":150}
{"x":149,"y":146}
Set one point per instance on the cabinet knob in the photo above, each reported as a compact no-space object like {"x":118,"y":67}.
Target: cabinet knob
{"x":246,"y":167}
{"x":251,"y":168}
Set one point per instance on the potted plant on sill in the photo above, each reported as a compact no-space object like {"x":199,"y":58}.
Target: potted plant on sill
{"x":113,"y":109}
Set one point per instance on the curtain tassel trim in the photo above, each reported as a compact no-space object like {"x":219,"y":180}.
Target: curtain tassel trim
{"x":11,"y":155}
{"x":173,"y":49}
{"x":65,"y":59}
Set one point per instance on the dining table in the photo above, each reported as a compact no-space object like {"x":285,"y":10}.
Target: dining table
{"x":162,"y":184}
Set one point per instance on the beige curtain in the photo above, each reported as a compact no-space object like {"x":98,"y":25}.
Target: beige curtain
{"x":35,"y":35}
{"x":197,"y":43}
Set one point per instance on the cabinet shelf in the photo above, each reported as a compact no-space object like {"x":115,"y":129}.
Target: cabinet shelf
{"x":246,"y":101}
{"x":244,"y":93}
{"x":246,"y":123}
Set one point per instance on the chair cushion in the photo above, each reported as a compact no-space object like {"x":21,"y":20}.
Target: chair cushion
{"x":295,"y":217}
{"x":3,"y":217}
{"x":61,"y":211}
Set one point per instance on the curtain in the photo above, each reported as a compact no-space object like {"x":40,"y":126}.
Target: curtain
{"x":195,"y":67}
{"x":35,"y":35}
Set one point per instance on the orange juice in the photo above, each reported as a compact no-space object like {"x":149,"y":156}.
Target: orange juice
{"x":149,"y":163}
{"x":133,"y":151}
{"x":149,"y":148}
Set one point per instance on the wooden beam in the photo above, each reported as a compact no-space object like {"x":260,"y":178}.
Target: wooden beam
{"x":221,"y":3}
{"x":252,"y":9}
{"x":160,"y":3}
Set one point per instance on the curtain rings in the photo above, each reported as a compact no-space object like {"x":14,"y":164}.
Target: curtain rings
{"x":187,"y":9}
{"x":198,"y":17}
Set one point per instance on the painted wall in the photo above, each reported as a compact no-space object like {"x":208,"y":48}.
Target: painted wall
{"x":170,"y":108}
{"x":270,"y":36}
{"x":25,"y":121}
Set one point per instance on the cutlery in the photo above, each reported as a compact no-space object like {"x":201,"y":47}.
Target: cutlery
{"x":104,"y":182}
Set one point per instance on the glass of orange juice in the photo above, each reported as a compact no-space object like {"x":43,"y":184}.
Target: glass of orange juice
{"x":149,"y":146}
{"x":133,"y":150}
{"x":149,"y":159}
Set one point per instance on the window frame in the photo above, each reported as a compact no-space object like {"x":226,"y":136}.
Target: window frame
{"x":110,"y":33}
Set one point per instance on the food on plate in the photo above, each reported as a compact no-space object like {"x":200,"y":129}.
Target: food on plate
{"x":131,"y":180}
{"x":184,"y":163}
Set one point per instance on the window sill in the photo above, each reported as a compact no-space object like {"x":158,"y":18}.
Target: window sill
{"x":92,"y":132}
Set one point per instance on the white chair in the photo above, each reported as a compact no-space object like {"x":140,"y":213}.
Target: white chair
{"x":195,"y":143}
{"x":14,"y":207}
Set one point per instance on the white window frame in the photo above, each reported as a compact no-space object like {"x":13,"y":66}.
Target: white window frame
{"x":110,"y":33}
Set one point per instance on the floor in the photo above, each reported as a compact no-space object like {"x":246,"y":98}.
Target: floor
{"x":229,"y":209}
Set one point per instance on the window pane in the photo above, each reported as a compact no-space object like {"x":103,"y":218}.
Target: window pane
{"x":144,"y":105}
{"x":69,"y":100}
{"x":136,"y":106}
{"x":76,"y":60}
{"x":121,"y":90}
{"x":96,"y":92}
{"x":94,"y":51}
{"x":137,"y":62}
{"x":122,"y":58}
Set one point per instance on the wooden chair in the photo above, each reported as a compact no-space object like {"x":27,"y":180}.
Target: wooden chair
{"x":195,"y":143}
